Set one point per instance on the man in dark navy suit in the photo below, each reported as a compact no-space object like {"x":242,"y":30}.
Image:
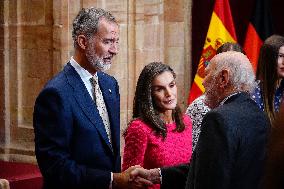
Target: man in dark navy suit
{"x":77,"y":114}
{"x":231,"y":149}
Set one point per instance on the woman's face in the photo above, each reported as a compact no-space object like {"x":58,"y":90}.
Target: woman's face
{"x":164,"y":91}
{"x":280,"y":62}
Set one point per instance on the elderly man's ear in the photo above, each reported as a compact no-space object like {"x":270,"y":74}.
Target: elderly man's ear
{"x":223,"y":79}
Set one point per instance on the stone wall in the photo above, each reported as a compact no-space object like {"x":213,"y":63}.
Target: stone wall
{"x":35,"y":43}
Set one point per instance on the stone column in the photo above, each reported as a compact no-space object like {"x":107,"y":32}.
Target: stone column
{"x":26,"y":65}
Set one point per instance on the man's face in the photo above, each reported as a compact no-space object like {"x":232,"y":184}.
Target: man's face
{"x":103,"y":46}
{"x":212,"y":94}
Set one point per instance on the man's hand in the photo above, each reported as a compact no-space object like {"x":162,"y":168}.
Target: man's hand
{"x":145,"y":176}
{"x":123,"y":181}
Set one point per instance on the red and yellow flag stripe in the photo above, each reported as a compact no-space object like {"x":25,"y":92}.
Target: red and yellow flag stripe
{"x":221,"y":30}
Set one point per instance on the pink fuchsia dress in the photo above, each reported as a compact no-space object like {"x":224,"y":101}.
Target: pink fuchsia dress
{"x":143,"y":147}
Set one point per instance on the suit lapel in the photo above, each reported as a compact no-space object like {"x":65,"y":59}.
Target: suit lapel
{"x":85,"y":101}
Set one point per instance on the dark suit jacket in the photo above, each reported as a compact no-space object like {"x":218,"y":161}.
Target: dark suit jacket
{"x":71,"y":144}
{"x":230,"y":152}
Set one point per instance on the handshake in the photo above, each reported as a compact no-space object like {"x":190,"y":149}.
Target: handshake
{"x":136,"y":177}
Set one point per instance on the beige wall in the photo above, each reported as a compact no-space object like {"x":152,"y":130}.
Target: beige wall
{"x":35,"y":42}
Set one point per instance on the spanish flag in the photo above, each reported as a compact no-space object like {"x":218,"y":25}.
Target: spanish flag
{"x":221,"y":30}
{"x":259,"y":28}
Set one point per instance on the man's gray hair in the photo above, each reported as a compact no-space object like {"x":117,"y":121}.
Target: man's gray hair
{"x":87,"y":20}
{"x":241,"y":74}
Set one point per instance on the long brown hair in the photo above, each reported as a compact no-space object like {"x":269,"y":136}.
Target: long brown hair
{"x":228,"y":46}
{"x":267,"y":72}
{"x":143,"y":105}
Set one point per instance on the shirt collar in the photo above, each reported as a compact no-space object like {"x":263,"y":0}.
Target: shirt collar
{"x":228,"y":97}
{"x":84,"y":74}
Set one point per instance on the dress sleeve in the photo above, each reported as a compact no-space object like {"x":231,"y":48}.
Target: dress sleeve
{"x":135,"y":144}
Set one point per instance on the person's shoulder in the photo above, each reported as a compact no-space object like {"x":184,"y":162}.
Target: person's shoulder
{"x":197,"y":107}
{"x":198,"y":101}
{"x":186,"y":119}
{"x":139,"y":125}
{"x":243,"y":107}
{"x":137,"y":122}
{"x":257,"y":88}
{"x":215,"y":113}
{"x":187,"y":122}
{"x":58,"y":82}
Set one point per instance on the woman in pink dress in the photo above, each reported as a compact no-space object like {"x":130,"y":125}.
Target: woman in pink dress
{"x":159,"y":134}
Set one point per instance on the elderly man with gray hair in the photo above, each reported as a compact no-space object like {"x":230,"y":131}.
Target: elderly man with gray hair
{"x":231,"y":149}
